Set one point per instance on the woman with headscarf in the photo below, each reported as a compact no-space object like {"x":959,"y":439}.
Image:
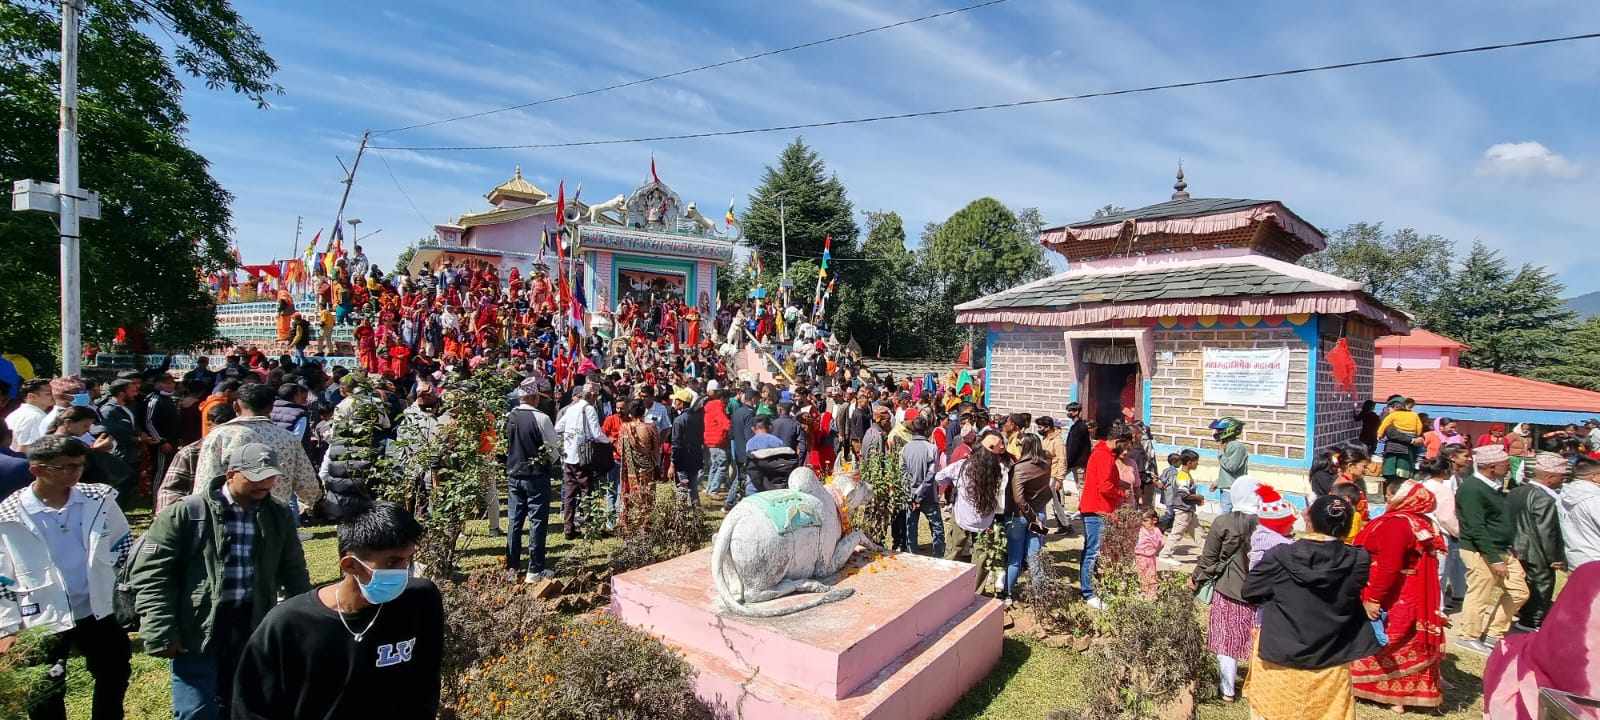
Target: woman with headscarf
{"x":1564,"y":655}
{"x":1224,"y":564}
{"x":1312,"y":622}
{"x":1403,"y":591}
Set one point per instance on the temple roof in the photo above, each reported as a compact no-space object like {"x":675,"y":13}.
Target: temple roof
{"x":1184,"y":207}
{"x":1244,"y":284}
{"x":517,"y":189}
{"x":1465,"y":387}
{"x":1420,"y":338}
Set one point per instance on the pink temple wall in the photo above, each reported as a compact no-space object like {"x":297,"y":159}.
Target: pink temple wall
{"x":1417,"y":358}
{"x":706,"y":280}
{"x":516,"y":236}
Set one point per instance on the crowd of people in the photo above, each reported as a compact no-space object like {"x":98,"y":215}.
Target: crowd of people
{"x":1316,"y":607}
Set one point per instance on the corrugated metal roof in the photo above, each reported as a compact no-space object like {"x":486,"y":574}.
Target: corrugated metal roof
{"x":1191,"y":207}
{"x":1223,"y":280}
{"x":1465,"y":387}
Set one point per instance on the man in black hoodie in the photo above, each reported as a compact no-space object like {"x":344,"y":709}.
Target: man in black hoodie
{"x":1077,"y":445}
{"x":741,"y":421}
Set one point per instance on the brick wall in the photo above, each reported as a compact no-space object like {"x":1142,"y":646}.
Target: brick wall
{"x":1336,"y":409}
{"x":1179,"y":417}
{"x":1028,"y":371}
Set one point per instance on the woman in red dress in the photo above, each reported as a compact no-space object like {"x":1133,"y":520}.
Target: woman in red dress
{"x":367,"y":346}
{"x":1404,"y":583}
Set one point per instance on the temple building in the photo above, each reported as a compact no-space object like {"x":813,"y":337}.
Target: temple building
{"x":1186,"y":311}
{"x":1426,"y":367}
{"x":647,"y":241}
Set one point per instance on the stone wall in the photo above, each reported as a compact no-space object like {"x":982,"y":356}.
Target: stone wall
{"x":1336,"y":409}
{"x":1028,"y":371}
{"x":1179,"y":417}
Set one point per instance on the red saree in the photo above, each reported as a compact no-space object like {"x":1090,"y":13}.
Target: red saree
{"x":1404,"y":581}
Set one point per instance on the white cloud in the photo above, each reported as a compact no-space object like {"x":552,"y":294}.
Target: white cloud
{"x":1526,"y":159}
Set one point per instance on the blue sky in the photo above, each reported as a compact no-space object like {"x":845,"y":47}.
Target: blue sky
{"x":1497,"y":147}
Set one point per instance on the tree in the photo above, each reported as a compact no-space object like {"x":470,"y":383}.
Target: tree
{"x":982,"y":249}
{"x":403,"y":263}
{"x":1404,"y":268}
{"x":1511,"y":322}
{"x":162,"y":214}
{"x":1108,"y":210}
{"x":1577,"y":359}
{"x":814,"y":206}
{"x":875,"y":302}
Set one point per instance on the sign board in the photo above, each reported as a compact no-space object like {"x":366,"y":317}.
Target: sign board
{"x":1246,"y":377}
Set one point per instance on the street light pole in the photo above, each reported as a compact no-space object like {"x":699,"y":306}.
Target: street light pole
{"x":783,"y":238}
{"x":67,"y":172}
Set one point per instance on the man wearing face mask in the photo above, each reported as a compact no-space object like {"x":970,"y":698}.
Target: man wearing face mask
{"x":210,"y":568}
{"x":366,"y":646}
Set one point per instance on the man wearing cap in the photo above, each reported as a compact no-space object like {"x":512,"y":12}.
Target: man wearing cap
{"x":688,"y":445}
{"x":579,"y":426}
{"x":1496,"y":586}
{"x":209,"y":569}
{"x":718,"y":428}
{"x":1537,"y":521}
{"x":531,"y":440}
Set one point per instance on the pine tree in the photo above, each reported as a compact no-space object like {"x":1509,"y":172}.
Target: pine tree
{"x":814,"y":206}
{"x":1511,"y":322}
{"x":874,"y":305}
{"x":1577,"y":360}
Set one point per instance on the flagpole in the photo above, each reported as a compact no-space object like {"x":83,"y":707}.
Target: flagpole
{"x":350,"y":178}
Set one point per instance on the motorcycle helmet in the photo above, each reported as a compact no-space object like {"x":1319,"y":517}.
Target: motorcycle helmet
{"x":1226,"y":429}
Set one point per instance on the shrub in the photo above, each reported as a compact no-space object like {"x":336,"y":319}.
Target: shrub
{"x":665,"y":527}
{"x":1152,"y":651}
{"x":485,"y":617}
{"x":1055,"y":601}
{"x":884,"y":473}
{"x":584,"y":668}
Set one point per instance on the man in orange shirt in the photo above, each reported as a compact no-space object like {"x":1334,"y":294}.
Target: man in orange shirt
{"x":226,"y":393}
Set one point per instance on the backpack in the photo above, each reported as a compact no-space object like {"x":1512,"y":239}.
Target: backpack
{"x":123,"y":599}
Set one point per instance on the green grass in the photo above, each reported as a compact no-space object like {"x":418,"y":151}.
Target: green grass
{"x":1029,"y":681}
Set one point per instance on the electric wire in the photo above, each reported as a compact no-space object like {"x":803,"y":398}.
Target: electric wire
{"x":698,"y":68}
{"x":1006,"y":105}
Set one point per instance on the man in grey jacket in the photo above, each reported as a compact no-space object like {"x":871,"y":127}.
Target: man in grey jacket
{"x":920,"y":459}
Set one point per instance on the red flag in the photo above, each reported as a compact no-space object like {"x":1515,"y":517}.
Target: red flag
{"x":653,"y":175}
{"x":827,"y":242}
{"x":561,"y":204}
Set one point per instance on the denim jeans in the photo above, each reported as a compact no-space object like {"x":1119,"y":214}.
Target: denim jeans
{"x":1225,"y":504}
{"x":1091,"y":552}
{"x":688,"y":485}
{"x":530,"y":504}
{"x":738,"y":485}
{"x":1452,"y":572}
{"x":1020,"y":545}
{"x":202,"y":682}
{"x":717,"y":468}
{"x":614,"y":499}
{"x":929,"y":510}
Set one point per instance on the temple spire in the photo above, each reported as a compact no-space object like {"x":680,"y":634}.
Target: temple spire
{"x":1180,"y":189}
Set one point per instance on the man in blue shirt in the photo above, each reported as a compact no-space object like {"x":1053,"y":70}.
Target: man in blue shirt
{"x":763,"y":439}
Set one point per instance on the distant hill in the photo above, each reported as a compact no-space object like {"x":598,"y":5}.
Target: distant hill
{"x":1586,"y":305}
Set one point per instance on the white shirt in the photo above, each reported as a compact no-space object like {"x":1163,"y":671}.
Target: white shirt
{"x":63,"y":533}
{"x":27,"y":425}
{"x":579,"y":423}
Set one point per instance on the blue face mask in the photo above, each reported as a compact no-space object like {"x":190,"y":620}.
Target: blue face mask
{"x":82,"y":400}
{"x":385,"y":585}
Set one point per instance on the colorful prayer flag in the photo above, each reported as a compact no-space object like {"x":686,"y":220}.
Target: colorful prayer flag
{"x":561,"y":204}
{"x":729,"y":219}
{"x":653,"y":175}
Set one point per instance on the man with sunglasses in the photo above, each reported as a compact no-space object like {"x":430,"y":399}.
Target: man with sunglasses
{"x":61,"y":544}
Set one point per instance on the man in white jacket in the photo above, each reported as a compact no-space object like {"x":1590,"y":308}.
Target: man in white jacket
{"x":61,"y":544}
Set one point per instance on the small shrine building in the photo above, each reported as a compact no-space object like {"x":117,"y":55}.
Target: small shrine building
{"x":645,"y":242}
{"x":1186,"y":311}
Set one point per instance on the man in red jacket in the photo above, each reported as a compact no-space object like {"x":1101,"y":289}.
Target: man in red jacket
{"x":718,"y":427}
{"x":1103,"y":493}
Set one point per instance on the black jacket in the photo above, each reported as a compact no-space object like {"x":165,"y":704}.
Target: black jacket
{"x":688,"y":441}
{"x":741,"y":422}
{"x":791,"y":433}
{"x":1225,"y":557}
{"x":1078,"y":445}
{"x":1310,"y":598}
{"x":1533,"y":514}
{"x":345,"y":478}
{"x":163,"y":417}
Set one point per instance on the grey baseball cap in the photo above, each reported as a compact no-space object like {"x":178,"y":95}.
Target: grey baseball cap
{"x":255,"y":460}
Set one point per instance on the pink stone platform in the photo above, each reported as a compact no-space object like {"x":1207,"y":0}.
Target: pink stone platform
{"x":912,"y":640}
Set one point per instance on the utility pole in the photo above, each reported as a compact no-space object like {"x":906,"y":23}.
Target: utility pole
{"x":299,"y":221}
{"x":350,"y":180}
{"x":783,"y":239}
{"x":63,"y":197}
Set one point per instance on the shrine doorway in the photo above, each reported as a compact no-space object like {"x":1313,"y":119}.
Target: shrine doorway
{"x":1111,"y":379}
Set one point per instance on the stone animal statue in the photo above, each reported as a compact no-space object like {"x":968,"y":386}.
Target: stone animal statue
{"x":613,"y":205}
{"x":700,"y":221}
{"x":780,"y":542}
